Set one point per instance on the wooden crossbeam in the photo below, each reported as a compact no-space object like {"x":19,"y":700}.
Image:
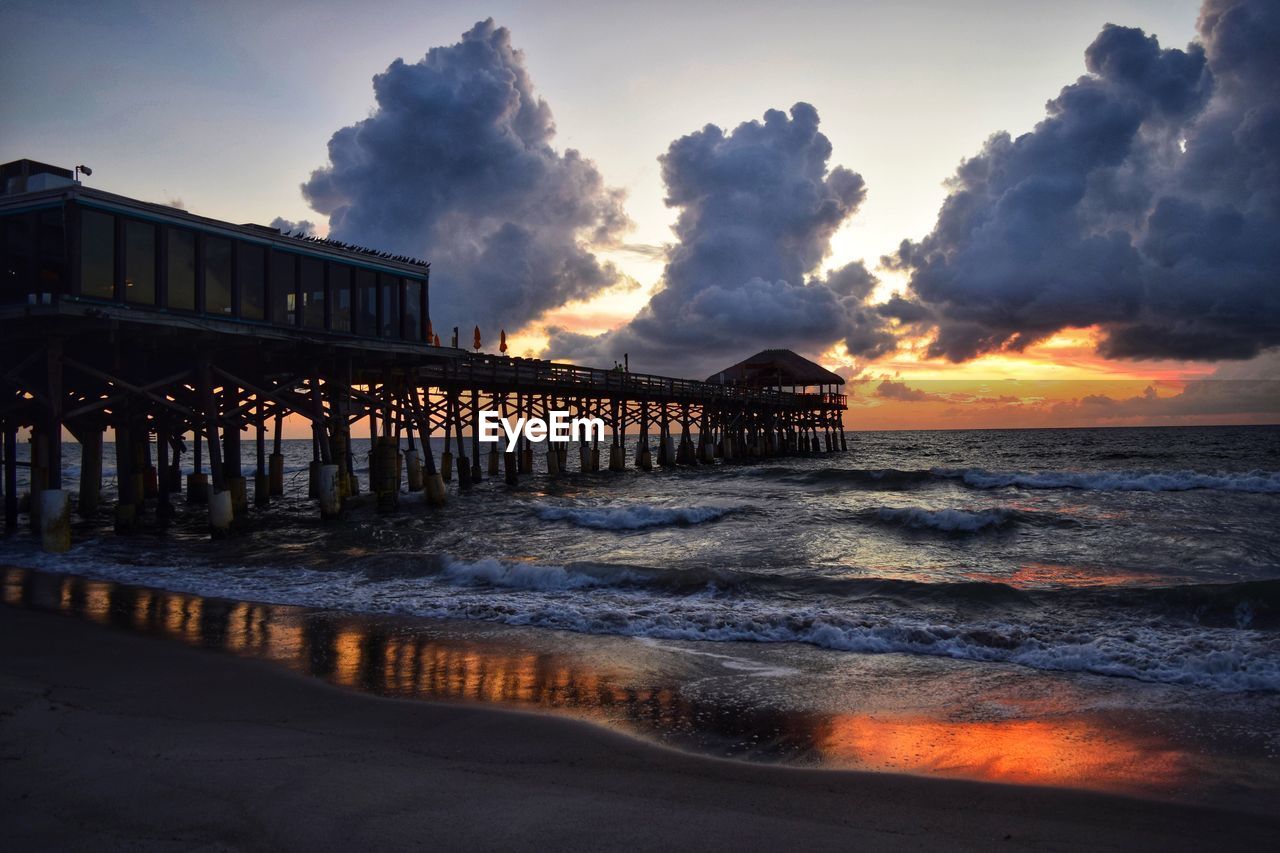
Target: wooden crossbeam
{"x":136,"y":390}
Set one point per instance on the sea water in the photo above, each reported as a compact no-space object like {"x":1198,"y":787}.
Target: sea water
{"x":991,"y":578}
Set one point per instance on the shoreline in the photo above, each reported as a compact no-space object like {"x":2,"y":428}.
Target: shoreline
{"x":127,"y":741}
{"x":772,"y":704}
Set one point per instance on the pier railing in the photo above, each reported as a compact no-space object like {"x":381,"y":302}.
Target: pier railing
{"x":500,"y":372}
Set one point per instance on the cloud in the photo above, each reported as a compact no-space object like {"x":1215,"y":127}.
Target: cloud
{"x":456,"y":165}
{"x":758,"y":206}
{"x":1201,"y":398}
{"x":891,"y":389}
{"x":288,"y":226}
{"x":900,"y":391}
{"x":1147,"y":203}
{"x":1214,"y":399}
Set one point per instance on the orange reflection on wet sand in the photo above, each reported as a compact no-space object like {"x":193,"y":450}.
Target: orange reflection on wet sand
{"x":1070,"y":752}
{"x":1046,"y":744}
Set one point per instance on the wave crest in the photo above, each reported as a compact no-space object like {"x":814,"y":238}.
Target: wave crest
{"x":491,"y":572}
{"x":894,"y":479}
{"x":1259,"y":482}
{"x":944,"y":520}
{"x":634,"y":517}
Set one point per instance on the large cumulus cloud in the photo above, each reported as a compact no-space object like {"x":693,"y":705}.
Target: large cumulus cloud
{"x":455,"y":165}
{"x":1147,"y":202}
{"x":758,"y":207}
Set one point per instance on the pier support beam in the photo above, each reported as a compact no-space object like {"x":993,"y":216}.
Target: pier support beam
{"x":125,"y":512}
{"x":220,"y":510}
{"x":10,"y":475}
{"x":90,"y":472}
{"x":617,"y":452}
{"x":55,"y":520}
{"x":413,"y":469}
{"x":463,"y":465}
{"x":261,"y":480}
{"x":475,"y":436}
{"x":38,"y":474}
{"x":275,"y":471}
{"x":221,"y":513}
{"x":197,"y":482}
{"x":233,"y":471}
{"x":164,"y":470}
{"x":330,"y":499}
{"x":384,"y":478}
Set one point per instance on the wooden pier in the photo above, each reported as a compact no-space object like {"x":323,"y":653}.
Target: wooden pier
{"x":186,"y":335}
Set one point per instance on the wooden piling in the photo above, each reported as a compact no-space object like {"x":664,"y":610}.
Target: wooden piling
{"x":475,"y":435}
{"x":10,"y":475}
{"x":220,"y":507}
{"x":464,"y":466}
{"x":275,"y":472}
{"x":197,"y":482}
{"x":90,"y":472}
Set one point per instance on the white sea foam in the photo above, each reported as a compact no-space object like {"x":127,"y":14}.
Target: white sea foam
{"x":632,"y":517}
{"x":607,"y":601}
{"x":1267,"y":482}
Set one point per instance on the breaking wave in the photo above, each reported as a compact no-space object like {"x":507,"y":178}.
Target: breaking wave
{"x":496,"y":573}
{"x":635,"y":517}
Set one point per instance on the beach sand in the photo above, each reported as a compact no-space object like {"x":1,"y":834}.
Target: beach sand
{"x":115,"y":741}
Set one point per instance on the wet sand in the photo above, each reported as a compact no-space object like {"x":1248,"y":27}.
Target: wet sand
{"x":111,"y":741}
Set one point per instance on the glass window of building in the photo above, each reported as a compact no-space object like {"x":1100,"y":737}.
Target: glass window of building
{"x":217,"y":275}
{"x":180,"y":285}
{"x":251,"y":278}
{"x":97,"y":254}
{"x":366,"y":302}
{"x":412,"y":309}
{"x":139,"y":262}
{"x":312,"y":270}
{"x":339,"y":298}
{"x":389,"y":302}
{"x":15,"y":257}
{"x":284,"y":289}
{"x":51,"y":251}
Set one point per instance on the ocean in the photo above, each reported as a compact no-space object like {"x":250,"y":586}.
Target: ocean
{"x":1093,"y":607}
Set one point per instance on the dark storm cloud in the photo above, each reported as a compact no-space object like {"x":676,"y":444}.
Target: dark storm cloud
{"x":758,"y":207}
{"x":455,"y":165}
{"x":1147,"y":202}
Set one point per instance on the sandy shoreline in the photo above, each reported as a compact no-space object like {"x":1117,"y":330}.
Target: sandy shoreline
{"x":111,"y":740}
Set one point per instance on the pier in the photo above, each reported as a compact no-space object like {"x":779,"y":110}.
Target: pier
{"x":188,"y":335}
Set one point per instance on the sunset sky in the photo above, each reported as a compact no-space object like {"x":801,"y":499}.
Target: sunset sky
{"x":691,"y":182}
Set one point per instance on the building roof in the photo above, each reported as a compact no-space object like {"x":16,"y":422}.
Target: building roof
{"x":774,"y":367}
{"x":93,"y":197}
